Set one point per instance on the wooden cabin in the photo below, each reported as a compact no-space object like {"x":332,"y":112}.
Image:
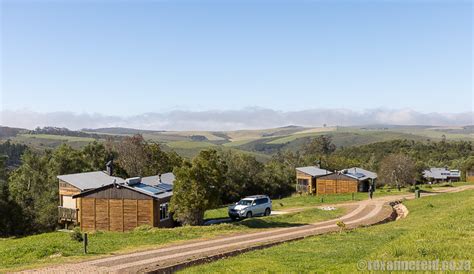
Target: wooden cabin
{"x":442,"y":174}
{"x":336,"y":183}
{"x":123,"y":207}
{"x":348,"y":180}
{"x":306,"y":178}
{"x":364,"y":178}
{"x":72,"y":186}
{"x":470,"y":175}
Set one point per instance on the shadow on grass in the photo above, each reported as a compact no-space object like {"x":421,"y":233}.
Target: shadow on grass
{"x":262,"y":223}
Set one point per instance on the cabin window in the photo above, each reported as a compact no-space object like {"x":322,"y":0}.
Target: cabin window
{"x":164,"y":214}
{"x":303,"y":182}
{"x":68,"y":201}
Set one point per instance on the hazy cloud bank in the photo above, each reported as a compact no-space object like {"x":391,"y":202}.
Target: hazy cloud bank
{"x":248,"y":118}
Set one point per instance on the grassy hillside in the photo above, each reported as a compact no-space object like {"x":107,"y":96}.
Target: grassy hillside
{"x":262,"y":142}
{"x":437,"y":227}
{"x":58,"y":247}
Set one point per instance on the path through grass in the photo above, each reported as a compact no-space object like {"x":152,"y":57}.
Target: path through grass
{"x":438,"y":227}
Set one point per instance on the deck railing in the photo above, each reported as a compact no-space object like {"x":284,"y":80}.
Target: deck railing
{"x":67,"y":214}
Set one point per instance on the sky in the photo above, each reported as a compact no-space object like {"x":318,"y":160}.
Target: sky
{"x":128,"y":58}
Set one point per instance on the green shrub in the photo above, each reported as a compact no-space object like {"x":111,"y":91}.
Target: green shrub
{"x":76,"y":235}
{"x":413,"y":188}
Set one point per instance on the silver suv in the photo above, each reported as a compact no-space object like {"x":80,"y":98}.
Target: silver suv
{"x":251,"y":206}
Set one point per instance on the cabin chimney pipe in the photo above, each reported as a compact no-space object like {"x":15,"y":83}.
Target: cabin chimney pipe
{"x":110,"y":167}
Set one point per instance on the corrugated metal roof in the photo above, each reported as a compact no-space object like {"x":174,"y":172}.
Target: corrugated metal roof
{"x":148,"y":185}
{"x":441,"y":173}
{"x":336,"y":176}
{"x":90,"y":180}
{"x":359,"y":173}
{"x":313,"y":171}
{"x":166,"y":178}
{"x":144,"y":190}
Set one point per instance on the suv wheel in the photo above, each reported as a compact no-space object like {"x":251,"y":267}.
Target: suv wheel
{"x":249,"y":214}
{"x":267,"y":212}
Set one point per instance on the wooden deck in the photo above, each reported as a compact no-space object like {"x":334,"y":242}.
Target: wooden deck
{"x":67,"y":214}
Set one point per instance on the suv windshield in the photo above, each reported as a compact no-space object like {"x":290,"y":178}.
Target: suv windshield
{"x":245,"y":202}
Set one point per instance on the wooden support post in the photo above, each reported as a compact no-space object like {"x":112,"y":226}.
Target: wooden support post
{"x":85,"y":243}
{"x":95,"y":214}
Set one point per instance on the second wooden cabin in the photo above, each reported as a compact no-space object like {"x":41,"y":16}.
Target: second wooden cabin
{"x":314,"y":180}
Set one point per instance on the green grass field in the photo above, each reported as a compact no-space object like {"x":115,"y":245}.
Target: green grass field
{"x":301,"y":201}
{"x":56,"y":137}
{"x":437,"y":227}
{"x":43,"y":141}
{"x":57,"y":247}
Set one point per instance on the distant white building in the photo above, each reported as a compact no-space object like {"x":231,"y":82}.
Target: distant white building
{"x":437,"y":175}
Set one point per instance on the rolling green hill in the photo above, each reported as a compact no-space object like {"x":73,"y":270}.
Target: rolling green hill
{"x":261,"y":142}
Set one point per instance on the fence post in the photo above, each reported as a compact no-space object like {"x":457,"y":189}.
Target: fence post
{"x":85,"y":243}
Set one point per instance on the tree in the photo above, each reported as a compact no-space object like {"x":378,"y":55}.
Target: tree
{"x":321,"y":145}
{"x":10,"y":212}
{"x":242,"y":177}
{"x":160,"y":161}
{"x":278,"y":179}
{"x":66,"y":160}
{"x":398,"y":170}
{"x":132,"y":155}
{"x":140,"y":158}
{"x":95,"y":155}
{"x":197,"y":187}
{"x":35,"y":191}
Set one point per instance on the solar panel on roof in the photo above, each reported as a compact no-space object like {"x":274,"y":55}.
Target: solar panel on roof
{"x":154,"y":190}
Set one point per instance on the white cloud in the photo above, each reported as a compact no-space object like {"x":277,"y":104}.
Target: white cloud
{"x":248,"y":118}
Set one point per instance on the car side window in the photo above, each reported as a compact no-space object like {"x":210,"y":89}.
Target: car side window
{"x":261,"y":201}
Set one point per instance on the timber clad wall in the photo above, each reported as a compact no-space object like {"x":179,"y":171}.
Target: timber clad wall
{"x":115,"y":214}
{"x":470,"y":175}
{"x":334,"y":185}
{"x":303,"y":176}
{"x":67,"y":189}
{"x":156,"y":214}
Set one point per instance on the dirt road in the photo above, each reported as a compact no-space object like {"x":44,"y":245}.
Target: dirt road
{"x":171,"y":257}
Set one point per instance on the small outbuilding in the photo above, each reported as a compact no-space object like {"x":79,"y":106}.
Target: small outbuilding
{"x":125,"y":206}
{"x":438,"y":175}
{"x":306,"y":178}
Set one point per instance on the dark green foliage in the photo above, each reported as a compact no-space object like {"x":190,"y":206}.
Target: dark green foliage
{"x":76,"y":235}
{"x":33,"y":188}
{"x":13,"y":153}
{"x":64,"y":132}
{"x":437,"y":154}
{"x":95,"y":155}
{"x":242,"y":177}
{"x":321,"y":145}
{"x":198,"y":187}
{"x":278,"y":179}
{"x":10,"y":212}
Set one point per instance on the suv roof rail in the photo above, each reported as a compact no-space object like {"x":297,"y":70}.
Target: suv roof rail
{"x":257,"y":196}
